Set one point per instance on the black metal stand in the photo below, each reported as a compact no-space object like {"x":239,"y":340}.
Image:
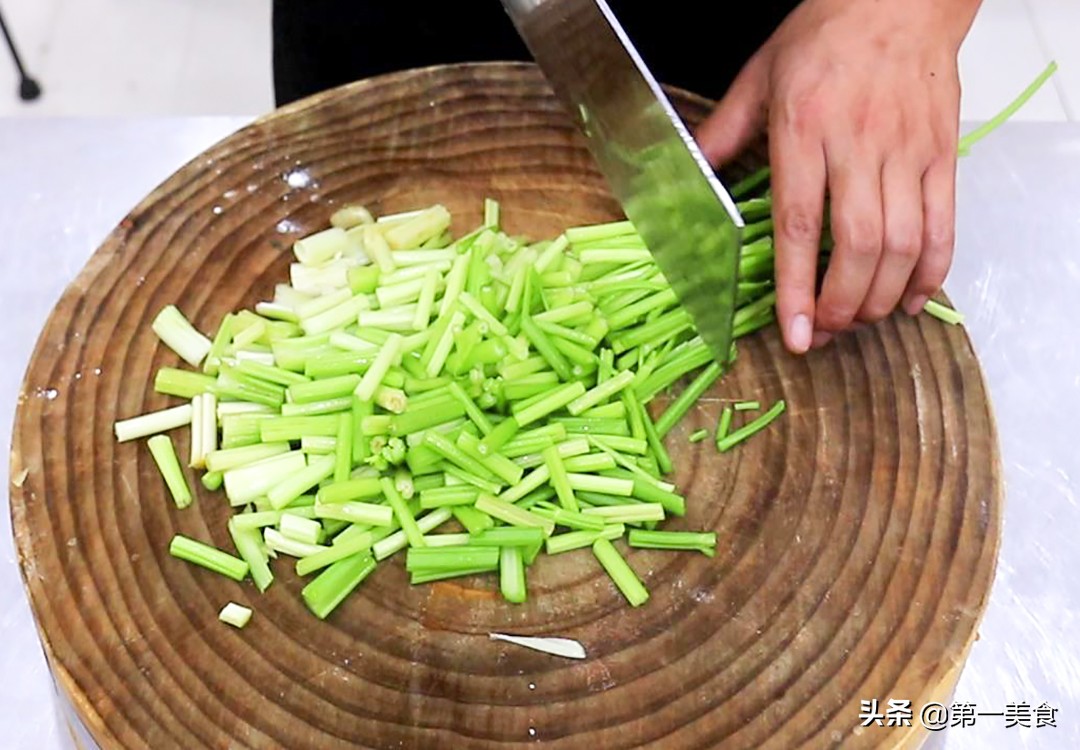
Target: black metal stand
{"x":28,"y":87}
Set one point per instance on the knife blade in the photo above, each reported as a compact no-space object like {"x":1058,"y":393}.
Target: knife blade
{"x":646,"y":153}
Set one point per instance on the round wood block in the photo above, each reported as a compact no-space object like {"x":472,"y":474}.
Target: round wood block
{"x":857,"y":535}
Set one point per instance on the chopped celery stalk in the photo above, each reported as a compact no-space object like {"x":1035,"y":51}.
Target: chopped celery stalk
{"x":607,"y":485}
{"x":300,"y":529}
{"x":291,"y":487}
{"x":234,"y":614}
{"x":559,"y":478}
{"x":602,"y":392}
{"x":249,"y":544}
{"x":211,"y":558}
{"x":404,"y":516}
{"x":569,"y":518}
{"x":699,"y":435}
{"x":212,"y":480}
{"x":426,"y":559}
{"x":511,"y":514}
{"x":724,"y":427}
{"x":399,"y":540}
{"x":687,"y":399}
{"x":573,"y":540}
{"x":632,"y":513}
{"x":164,"y":454}
{"x":621,"y":573}
{"x":231,"y":458}
{"x":356,"y":512}
{"x":343,"y":450}
{"x":943,"y":312}
{"x":352,"y":489}
{"x":747,"y":405}
{"x":446,"y":540}
{"x":751,"y":428}
{"x":512,"y":574}
{"x":553,"y":400}
{"x":701,"y":541}
{"x":531,"y":481}
{"x":440,"y":497}
{"x":246,"y":483}
{"x":178,"y":334}
{"x":278,"y":542}
{"x":330,"y":587}
{"x":152,"y":423}
{"x":182,"y":383}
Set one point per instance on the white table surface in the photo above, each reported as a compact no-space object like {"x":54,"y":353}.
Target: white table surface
{"x":65,"y":183}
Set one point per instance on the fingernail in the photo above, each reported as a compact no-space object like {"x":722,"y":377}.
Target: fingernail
{"x":916,"y":304}
{"x":799,"y":333}
{"x":821,"y":338}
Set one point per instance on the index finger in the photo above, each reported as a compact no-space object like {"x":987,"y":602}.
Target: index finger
{"x":798,"y":185}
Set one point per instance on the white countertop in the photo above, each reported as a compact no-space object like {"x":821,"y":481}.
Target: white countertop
{"x":64,"y":184}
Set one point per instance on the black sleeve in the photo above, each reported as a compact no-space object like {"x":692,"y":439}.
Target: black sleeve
{"x":319,"y":44}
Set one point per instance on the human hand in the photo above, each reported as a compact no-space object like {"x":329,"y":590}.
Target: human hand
{"x":860,"y":97}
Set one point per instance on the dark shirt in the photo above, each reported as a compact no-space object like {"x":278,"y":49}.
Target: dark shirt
{"x":319,"y":44}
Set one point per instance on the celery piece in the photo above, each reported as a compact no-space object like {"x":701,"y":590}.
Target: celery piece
{"x":300,"y":529}
{"x":278,"y":542}
{"x":620,"y":572}
{"x":569,"y":518}
{"x":231,"y":458}
{"x":292,"y":486}
{"x":164,"y":454}
{"x":559,"y":478}
{"x":399,"y":540}
{"x":607,"y":485}
{"x":404,"y":516}
{"x":282,"y":429}
{"x":152,"y":423}
{"x":330,"y":587}
{"x":178,"y":334}
{"x":182,"y":383}
{"x":512,"y":574}
{"x":246,"y":483}
{"x":602,"y":392}
{"x":428,"y":559}
{"x":688,"y":398}
{"x":747,"y":405}
{"x":323,"y":389}
{"x":511,"y":514}
{"x":211,"y":558}
{"x":553,"y":400}
{"x":368,"y":514}
{"x":559,"y":543}
{"x":343,"y":449}
{"x":701,"y":541}
{"x":732,"y":439}
{"x":699,"y":435}
{"x":496,"y":464}
{"x":334,"y":406}
{"x":212,"y":480}
{"x":235,"y":615}
{"x":630,"y":513}
{"x":943,"y":313}
{"x":248,"y":542}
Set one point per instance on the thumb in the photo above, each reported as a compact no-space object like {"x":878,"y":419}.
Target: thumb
{"x":738,"y":117}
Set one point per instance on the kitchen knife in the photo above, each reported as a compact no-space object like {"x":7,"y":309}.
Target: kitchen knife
{"x":646,"y":153}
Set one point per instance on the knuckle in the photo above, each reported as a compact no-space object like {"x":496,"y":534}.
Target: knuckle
{"x":875,"y":310}
{"x":799,"y":224}
{"x":834,"y":317}
{"x":904,"y":244}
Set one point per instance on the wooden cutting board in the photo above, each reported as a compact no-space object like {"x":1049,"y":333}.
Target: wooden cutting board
{"x":858,"y":535}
